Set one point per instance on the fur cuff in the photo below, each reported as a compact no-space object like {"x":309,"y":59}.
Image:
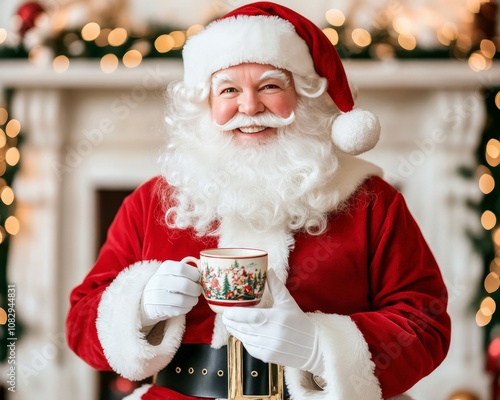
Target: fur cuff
{"x":119,"y":326}
{"x":349,"y":371}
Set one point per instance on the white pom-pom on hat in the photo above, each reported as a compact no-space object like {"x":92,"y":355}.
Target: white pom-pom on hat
{"x":356,"y":131}
{"x":269,"y":33}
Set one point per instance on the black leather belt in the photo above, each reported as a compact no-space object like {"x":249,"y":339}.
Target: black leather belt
{"x":200,"y":371}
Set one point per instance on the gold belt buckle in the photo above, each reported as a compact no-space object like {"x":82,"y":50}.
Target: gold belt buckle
{"x":235,"y":371}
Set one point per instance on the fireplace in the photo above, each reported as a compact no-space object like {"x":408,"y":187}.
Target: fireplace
{"x":91,"y":138}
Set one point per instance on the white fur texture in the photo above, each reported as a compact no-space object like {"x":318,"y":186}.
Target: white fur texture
{"x":236,"y":40}
{"x":119,"y":326}
{"x":137,"y":393}
{"x":356,"y":131}
{"x":349,"y":371}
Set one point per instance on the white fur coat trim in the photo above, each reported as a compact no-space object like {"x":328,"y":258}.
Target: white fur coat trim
{"x":349,"y":370}
{"x":119,"y":326}
{"x":137,"y":393}
{"x":352,"y":172}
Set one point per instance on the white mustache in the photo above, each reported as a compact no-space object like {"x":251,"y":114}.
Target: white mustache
{"x":267,"y":119}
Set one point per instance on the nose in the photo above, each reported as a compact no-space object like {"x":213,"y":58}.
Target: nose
{"x":250,"y":103}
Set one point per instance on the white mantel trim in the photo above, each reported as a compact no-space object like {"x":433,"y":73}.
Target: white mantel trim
{"x":364,"y":74}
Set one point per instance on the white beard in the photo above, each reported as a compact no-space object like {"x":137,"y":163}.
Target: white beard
{"x":279,"y":185}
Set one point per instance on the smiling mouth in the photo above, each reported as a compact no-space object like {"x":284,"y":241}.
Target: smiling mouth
{"x":252,"y":129}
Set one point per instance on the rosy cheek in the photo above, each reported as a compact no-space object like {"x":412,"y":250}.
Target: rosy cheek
{"x":219,"y":119}
{"x":292,"y":105}
{"x":285,"y":106}
{"x":221,"y":113}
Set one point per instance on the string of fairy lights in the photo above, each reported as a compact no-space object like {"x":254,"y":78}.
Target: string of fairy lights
{"x":9,"y":158}
{"x":117,"y":37}
{"x":10,"y":135}
{"x":391,"y":35}
{"x":488,"y":178}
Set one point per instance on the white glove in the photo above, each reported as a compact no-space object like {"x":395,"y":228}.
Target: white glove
{"x":282,"y":334}
{"x":173,"y":290}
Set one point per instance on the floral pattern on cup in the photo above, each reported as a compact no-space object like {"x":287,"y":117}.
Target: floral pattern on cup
{"x":231,"y":276}
{"x":236,"y":283}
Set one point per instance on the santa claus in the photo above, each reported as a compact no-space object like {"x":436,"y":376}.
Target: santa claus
{"x":261,"y":152}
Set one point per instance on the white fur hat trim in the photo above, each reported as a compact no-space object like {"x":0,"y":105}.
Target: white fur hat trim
{"x":245,"y":39}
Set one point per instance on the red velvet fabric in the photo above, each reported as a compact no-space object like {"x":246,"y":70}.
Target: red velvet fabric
{"x":372,"y":263}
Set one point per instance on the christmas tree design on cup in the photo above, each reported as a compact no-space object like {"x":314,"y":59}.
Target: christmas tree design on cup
{"x":234,"y":285}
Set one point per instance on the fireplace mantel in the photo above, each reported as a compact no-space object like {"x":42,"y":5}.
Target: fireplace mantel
{"x":86,"y":130}
{"x":422,"y":74}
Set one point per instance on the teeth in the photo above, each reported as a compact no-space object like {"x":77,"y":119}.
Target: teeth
{"x":252,"y":129}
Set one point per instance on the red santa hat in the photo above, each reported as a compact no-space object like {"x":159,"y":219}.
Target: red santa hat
{"x":268,"y":33}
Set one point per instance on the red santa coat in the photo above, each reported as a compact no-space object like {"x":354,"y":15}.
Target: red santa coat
{"x":370,"y":284}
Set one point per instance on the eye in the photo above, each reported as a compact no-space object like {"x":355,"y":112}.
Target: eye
{"x":227,"y":91}
{"x":271,"y":87}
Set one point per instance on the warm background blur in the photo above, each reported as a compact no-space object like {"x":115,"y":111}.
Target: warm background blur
{"x":81,"y":113}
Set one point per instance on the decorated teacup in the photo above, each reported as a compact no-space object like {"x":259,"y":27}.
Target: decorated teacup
{"x":231,"y":276}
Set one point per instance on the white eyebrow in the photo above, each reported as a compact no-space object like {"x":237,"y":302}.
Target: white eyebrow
{"x":218,"y":79}
{"x":275,"y":74}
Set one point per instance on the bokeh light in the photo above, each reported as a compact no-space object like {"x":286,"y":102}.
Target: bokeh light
{"x":12,"y":225}
{"x":109,"y":63}
{"x":132,"y":58}
{"x":3,"y":35}
{"x":488,"y":220}
{"x":60,"y":64}
{"x":492,"y":282}
{"x":332,"y":35}
{"x":91,"y":31}
{"x":179,"y":38}
{"x":361,"y":37}
{"x":13,"y":128}
{"x":164,"y":43}
{"x":4,"y":116}
{"x":486,"y":183}
{"x":335,"y":17}
{"x":7,"y":195}
{"x":117,"y":36}
{"x":192,"y":30}
{"x":12,"y":156}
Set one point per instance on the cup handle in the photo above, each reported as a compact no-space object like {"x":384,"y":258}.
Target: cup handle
{"x":190,"y":259}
